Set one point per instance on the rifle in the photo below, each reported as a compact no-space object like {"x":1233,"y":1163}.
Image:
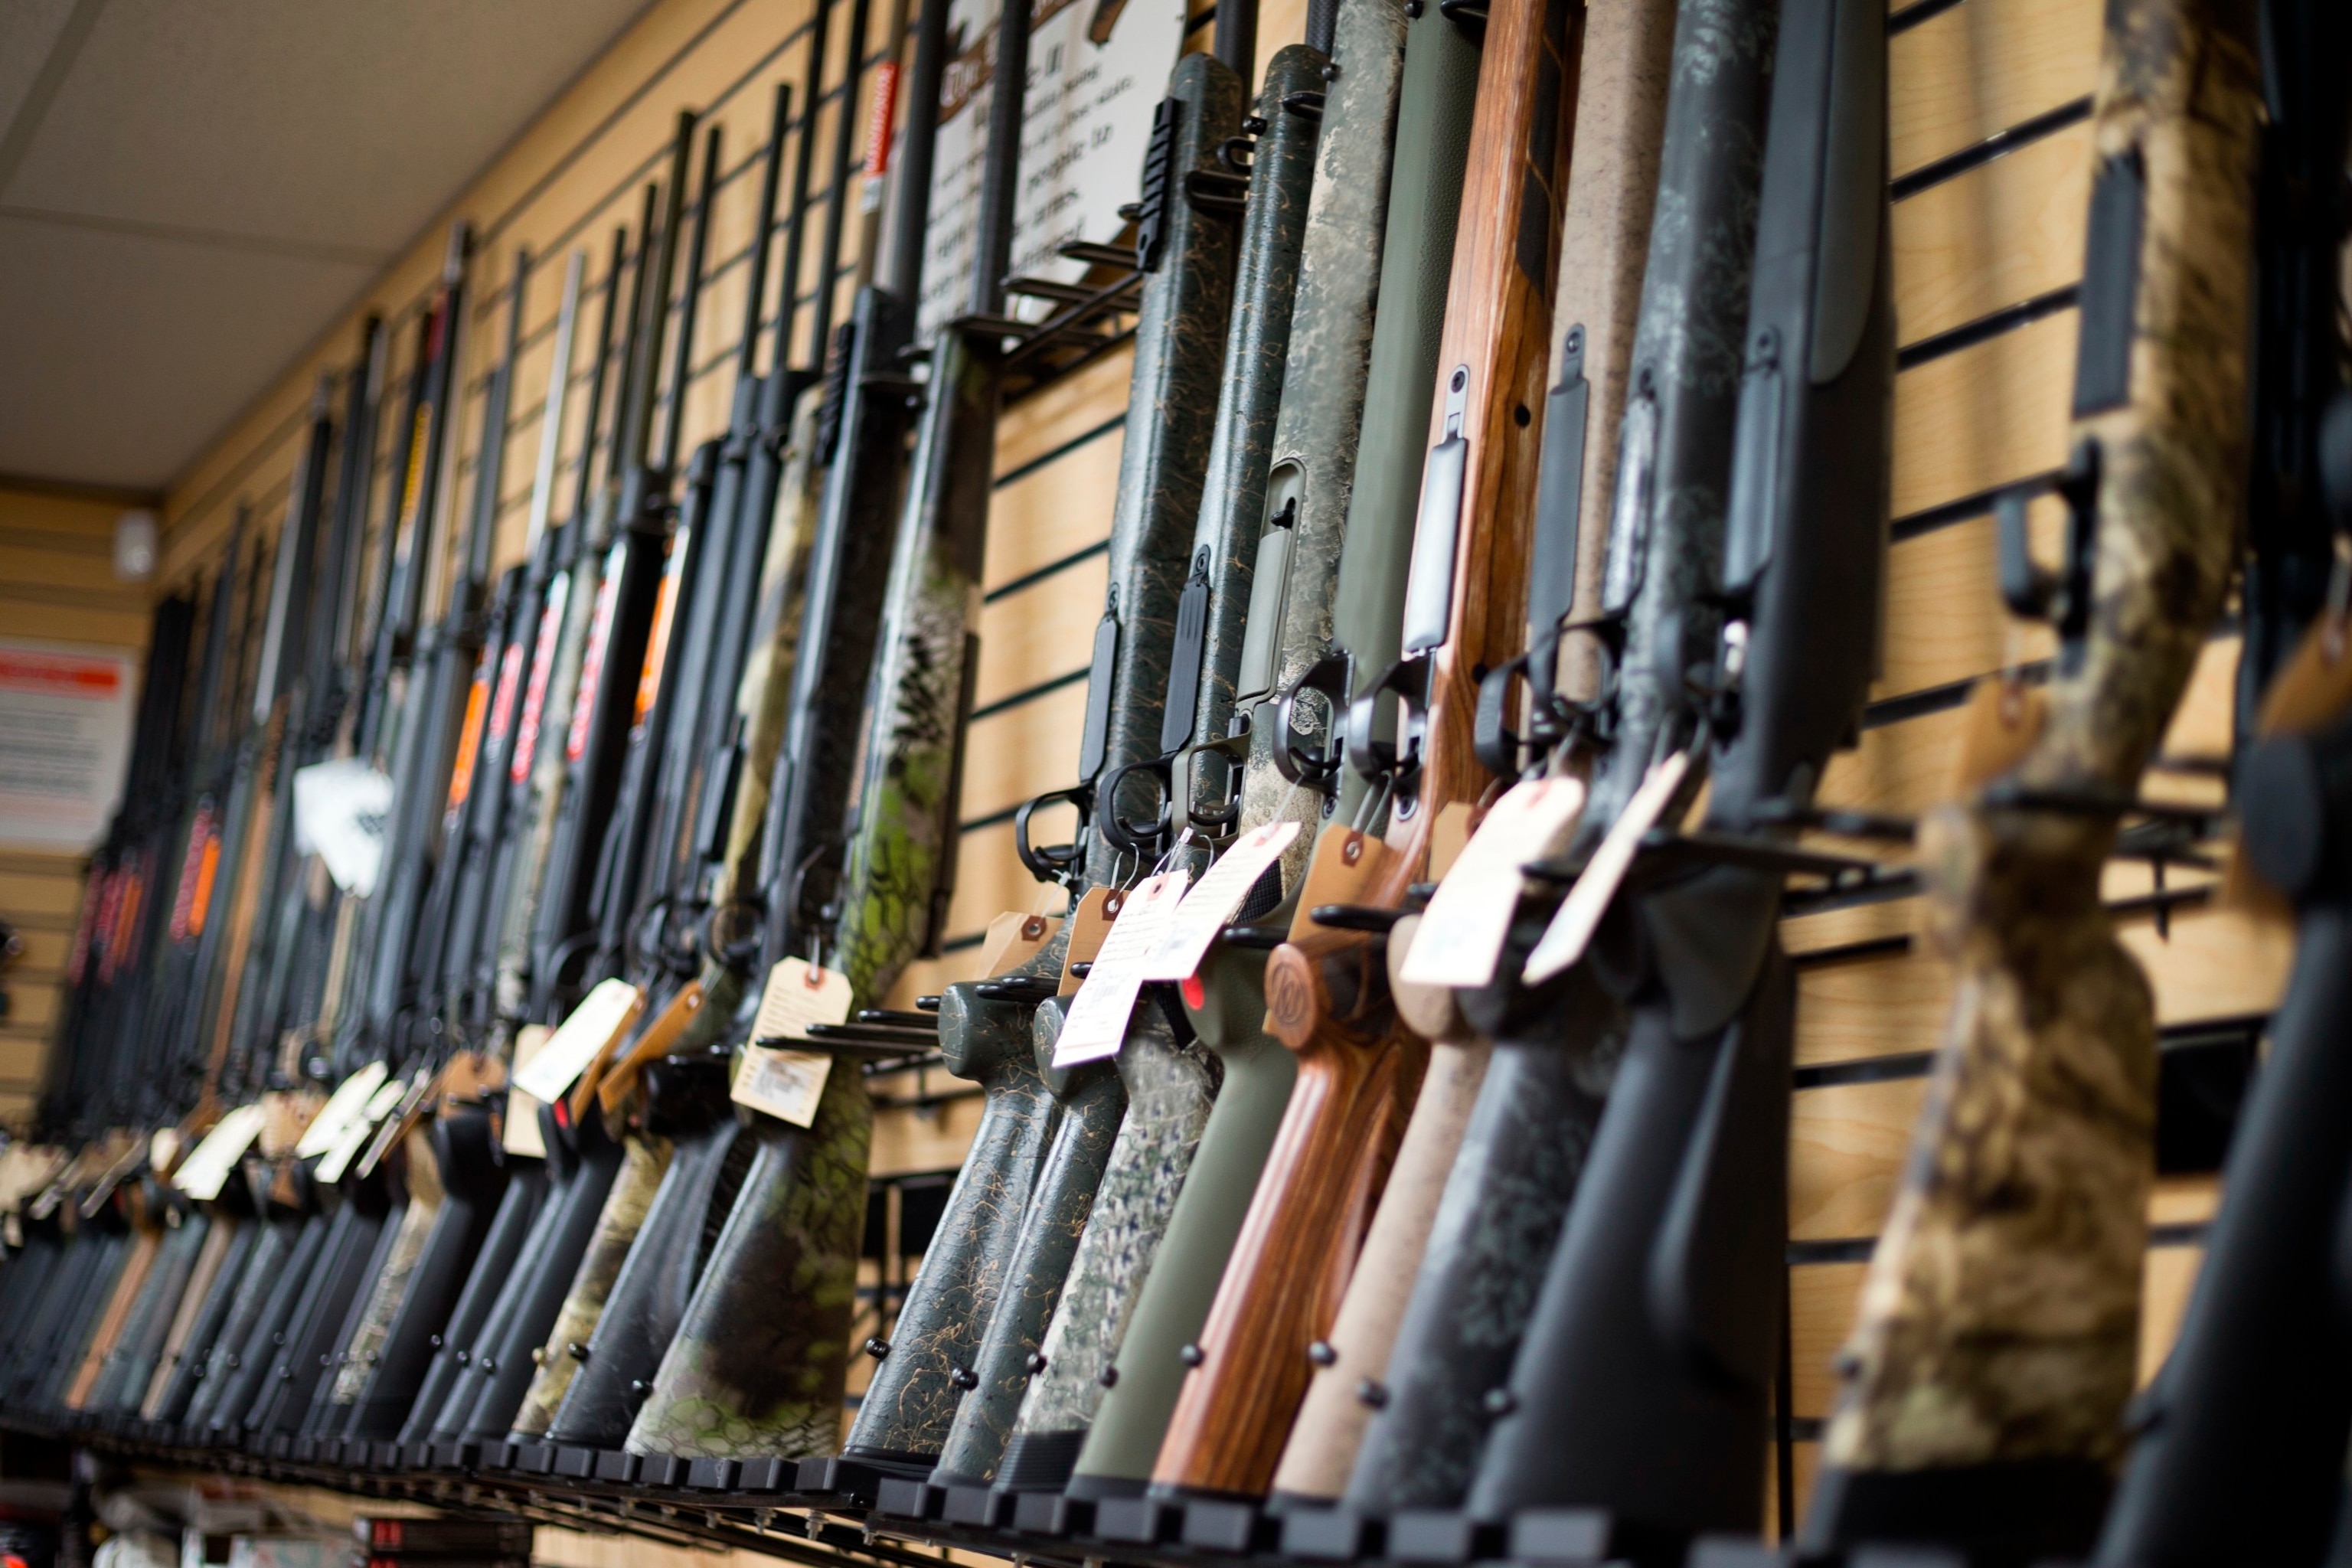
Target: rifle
{"x":795,"y":1221}
{"x":578,"y":1167}
{"x":2222,"y":1467}
{"x":684,"y":1097}
{"x":1379,"y":233}
{"x":1453,"y":1300}
{"x":1185,"y":248}
{"x":627,"y":604}
{"x":1082,"y":1162}
{"x":1658,"y":1310}
{"x":468,"y":967}
{"x":1358,"y":1070}
{"x":1997,"y":1346}
{"x":538,"y":775}
{"x":412,"y":747}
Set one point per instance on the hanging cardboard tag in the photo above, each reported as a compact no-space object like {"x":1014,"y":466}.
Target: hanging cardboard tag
{"x":2004,"y":717}
{"x":406,"y":1114}
{"x":287,"y":1114}
{"x":520,"y":1134}
{"x":1346,"y":862}
{"x":1570,"y":931}
{"x":1013,"y":939}
{"x":655,"y":1041}
{"x":797,"y":995}
{"x":1204,"y":910}
{"x":1090,"y":922}
{"x":588,"y":1033}
{"x":1097,"y":1026}
{"x":786,"y":1085}
{"x":1461,"y":934}
{"x":206,"y":1171}
{"x":334,"y":1119}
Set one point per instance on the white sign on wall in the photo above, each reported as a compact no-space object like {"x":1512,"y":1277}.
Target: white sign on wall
{"x":1097,"y":68}
{"x":65,"y":738}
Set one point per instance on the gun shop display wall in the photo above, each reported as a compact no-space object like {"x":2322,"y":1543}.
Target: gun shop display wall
{"x":1328,"y":781}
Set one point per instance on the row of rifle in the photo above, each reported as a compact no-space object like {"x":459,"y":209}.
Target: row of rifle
{"x":1382,"y":1151}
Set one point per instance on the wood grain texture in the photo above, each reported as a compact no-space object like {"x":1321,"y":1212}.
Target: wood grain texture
{"x":2004,"y":232}
{"x":2001,"y":1318}
{"x":1975,"y":69}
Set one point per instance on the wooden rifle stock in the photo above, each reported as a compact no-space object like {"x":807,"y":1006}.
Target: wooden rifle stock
{"x":1327,"y":995}
{"x":1997,"y":1340}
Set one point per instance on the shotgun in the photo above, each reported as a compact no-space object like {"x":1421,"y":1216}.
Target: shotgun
{"x":1185,"y":247}
{"x":1084,"y":1164}
{"x":1652,"y":536}
{"x":2218,"y":1467}
{"x":1984,"y":1383}
{"x":1378,"y":233}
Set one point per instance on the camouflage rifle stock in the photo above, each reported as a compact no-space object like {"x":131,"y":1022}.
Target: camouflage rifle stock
{"x":1650,"y":534}
{"x":710,"y":1147}
{"x":1185,"y":248}
{"x":1997,"y":1340}
{"x":1133,"y":1175}
{"x":1374,"y":267}
{"x":1659,"y":1309}
{"x":2223,"y":1468}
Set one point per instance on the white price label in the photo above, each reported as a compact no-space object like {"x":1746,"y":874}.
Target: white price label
{"x":205,"y":1171}
{"x":334,"y":1119}
{"x":1212,"y":900}
{"x":579,"y":1040}
{"x":1461,"y":934}
{"x":785,"y":1085}
{"x":797,"y":995}
{"x":355,"y":1135}
{"x":340,"y":810}
{"x":1579,"y":915}
{"x":521,"y":1135}
{"x":1098,"y":1022}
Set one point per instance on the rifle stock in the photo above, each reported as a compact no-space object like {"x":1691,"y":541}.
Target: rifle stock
{"x":1996,"y":1343}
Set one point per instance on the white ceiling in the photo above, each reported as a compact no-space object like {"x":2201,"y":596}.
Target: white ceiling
{"x":192,"y":190}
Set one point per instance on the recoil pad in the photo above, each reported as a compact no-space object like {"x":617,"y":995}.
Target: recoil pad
{"x":2295,"y":807}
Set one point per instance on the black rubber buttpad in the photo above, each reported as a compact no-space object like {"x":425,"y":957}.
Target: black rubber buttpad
{"x":977,"y":1507}
{"x":1441,"y":1535}
{"x":711,"y":1475}
{"x":618,"y":1466}
{"x":575,"y":1463}
{"x":1332,"y":1534}
{"x":1222,"y":1524}
{"x":1052,"y":1513}
{"x":765,"y":1476}
{"x":1139,"y":1521}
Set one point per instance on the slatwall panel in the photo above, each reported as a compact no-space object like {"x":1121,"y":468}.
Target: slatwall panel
{"x":1990,"y":154}
{"x":57,"y":585}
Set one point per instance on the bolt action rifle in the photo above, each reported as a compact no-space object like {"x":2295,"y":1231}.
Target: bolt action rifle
{"x":1087,"y":1166}
{"x":1986,"y":1378}
{"x":615,"y":1350}
{"x":1358,"y":1069}
{"x":1373,"y":267}
{"x":1662,"y":369}
{"x":1186,"y":241}
{"x":2221,"y":1467}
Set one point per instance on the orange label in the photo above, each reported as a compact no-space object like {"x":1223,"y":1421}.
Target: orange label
{"x":881,"y":119}
{"x":184,"y":903}
{"x":658,"y":643}
{"x":207,"y":869}
{"x":470,"y":737}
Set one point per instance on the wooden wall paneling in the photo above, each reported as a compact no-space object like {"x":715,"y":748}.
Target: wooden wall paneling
{"x":1025,"y":637}
{"x":1998,"y":233}
{"x":1974,"y":70}
{"x":1989,"y":414}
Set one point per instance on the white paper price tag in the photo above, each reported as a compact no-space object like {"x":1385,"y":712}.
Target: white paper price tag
{"x":340,"y":809}
{"x":785,"y":1085}
{"x":1097,"y":1021}
{"x":334,"y":1119}
{"x":798,"y":995}
{"x":1461,"y":934}
{"x":521,"y":1133}
{"x":1212,"y":900}
{"x":1579,"y":915}
{"x":204,"y":1172}
{"x":355,"y":1135}
{"x":579,"y":1040}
